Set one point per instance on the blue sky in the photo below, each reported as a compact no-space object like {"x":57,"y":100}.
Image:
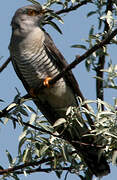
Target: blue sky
{"x":75,"y":29}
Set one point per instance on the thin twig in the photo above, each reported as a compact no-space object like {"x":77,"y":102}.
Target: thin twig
{"x":71,"y":8}
{"x":5,"y":64}
{"x":34,"y":127}
{"x":33,"y":163}
{"x":45,"y":170}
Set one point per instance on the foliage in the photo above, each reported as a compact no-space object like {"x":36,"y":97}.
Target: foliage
{"x":41,"y":148}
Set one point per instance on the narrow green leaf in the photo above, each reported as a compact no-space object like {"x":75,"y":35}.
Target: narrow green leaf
{"x":30,"y":109}
{"x":34,"y":2}
{"x":110,"y":134}
{"x":97,"y":77}
{"x":45,"y":127}
{"x":59,"y":122}
{"x":114,"y":158}
{"x":27,"y":155}
{"x":88,"y":64}
{"x":22,"y":111}
{"x":91,"y":30}
{"x":68,"y":110}
{"x":32,"y":118}
{"x":100,"y":24}
{"x":45,"y":140}
{"x":79,"y":46}
{"x":18,"y":92}
{"x":19,"y":118}
{"x":25,"y":173}
{"x":64,"y":153}
{"x":54,"y":25}
{"x":11,"y":106}
{"x":43,"y":149}
{"x":10,"y":159}
{"x":54,"y":15}
{"x":2,"y":100}
{"x":21,"y":143}
{"x":23,"y":134}
{"x":91,"y":13}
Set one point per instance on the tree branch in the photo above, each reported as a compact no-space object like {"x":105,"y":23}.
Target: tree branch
{"x":81,"y":58}
{"x":88,"y":176}
{"x":34,"y":163}
{"x":101,"y":62}
{"x":71,"y":8}
{"x":45,"y":170}
{"x":78,"y":60}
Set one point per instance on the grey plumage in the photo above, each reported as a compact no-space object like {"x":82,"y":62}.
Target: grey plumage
{"x":35,"y":57}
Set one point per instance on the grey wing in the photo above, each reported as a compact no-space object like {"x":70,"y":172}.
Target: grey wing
{"x":69,"y":77}
{"x":60,"y":60}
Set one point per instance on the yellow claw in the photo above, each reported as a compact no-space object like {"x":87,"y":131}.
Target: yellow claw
{"x":46,"y":82}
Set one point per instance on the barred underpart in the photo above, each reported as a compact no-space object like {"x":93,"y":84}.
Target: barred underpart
{"x":36,"y":67}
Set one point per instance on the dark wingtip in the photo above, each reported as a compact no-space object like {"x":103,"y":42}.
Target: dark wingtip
{"x":102,"y":170}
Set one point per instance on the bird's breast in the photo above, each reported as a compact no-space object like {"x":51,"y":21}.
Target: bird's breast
{"x":36,"y":65}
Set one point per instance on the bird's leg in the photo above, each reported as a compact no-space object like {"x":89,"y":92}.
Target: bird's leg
{"x":46,"y":82}
{"x":33,"y":91}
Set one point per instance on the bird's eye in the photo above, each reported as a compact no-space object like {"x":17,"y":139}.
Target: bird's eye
{"x":32,"y":12}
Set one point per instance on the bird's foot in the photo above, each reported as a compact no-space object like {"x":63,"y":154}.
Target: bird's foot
{"x":33,"y":91}
{"x":46,"y":82}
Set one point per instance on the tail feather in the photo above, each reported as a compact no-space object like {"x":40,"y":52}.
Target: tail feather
{"x":96,"y":161}
{"x":92,"y":154}
{"x":94,"y":158}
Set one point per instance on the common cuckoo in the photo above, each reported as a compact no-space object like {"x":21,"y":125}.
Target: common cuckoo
{"x":36,"y":59}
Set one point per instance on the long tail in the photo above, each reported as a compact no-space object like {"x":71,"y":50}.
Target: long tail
{"x":94,"y":159}
{"x":85,"y":147}
{"x":90,"y":152}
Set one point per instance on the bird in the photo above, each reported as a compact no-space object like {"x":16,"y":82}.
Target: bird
{"x":36,"y":60}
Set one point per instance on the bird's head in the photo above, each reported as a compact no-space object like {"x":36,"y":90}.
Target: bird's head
{"x":27,"y":18}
